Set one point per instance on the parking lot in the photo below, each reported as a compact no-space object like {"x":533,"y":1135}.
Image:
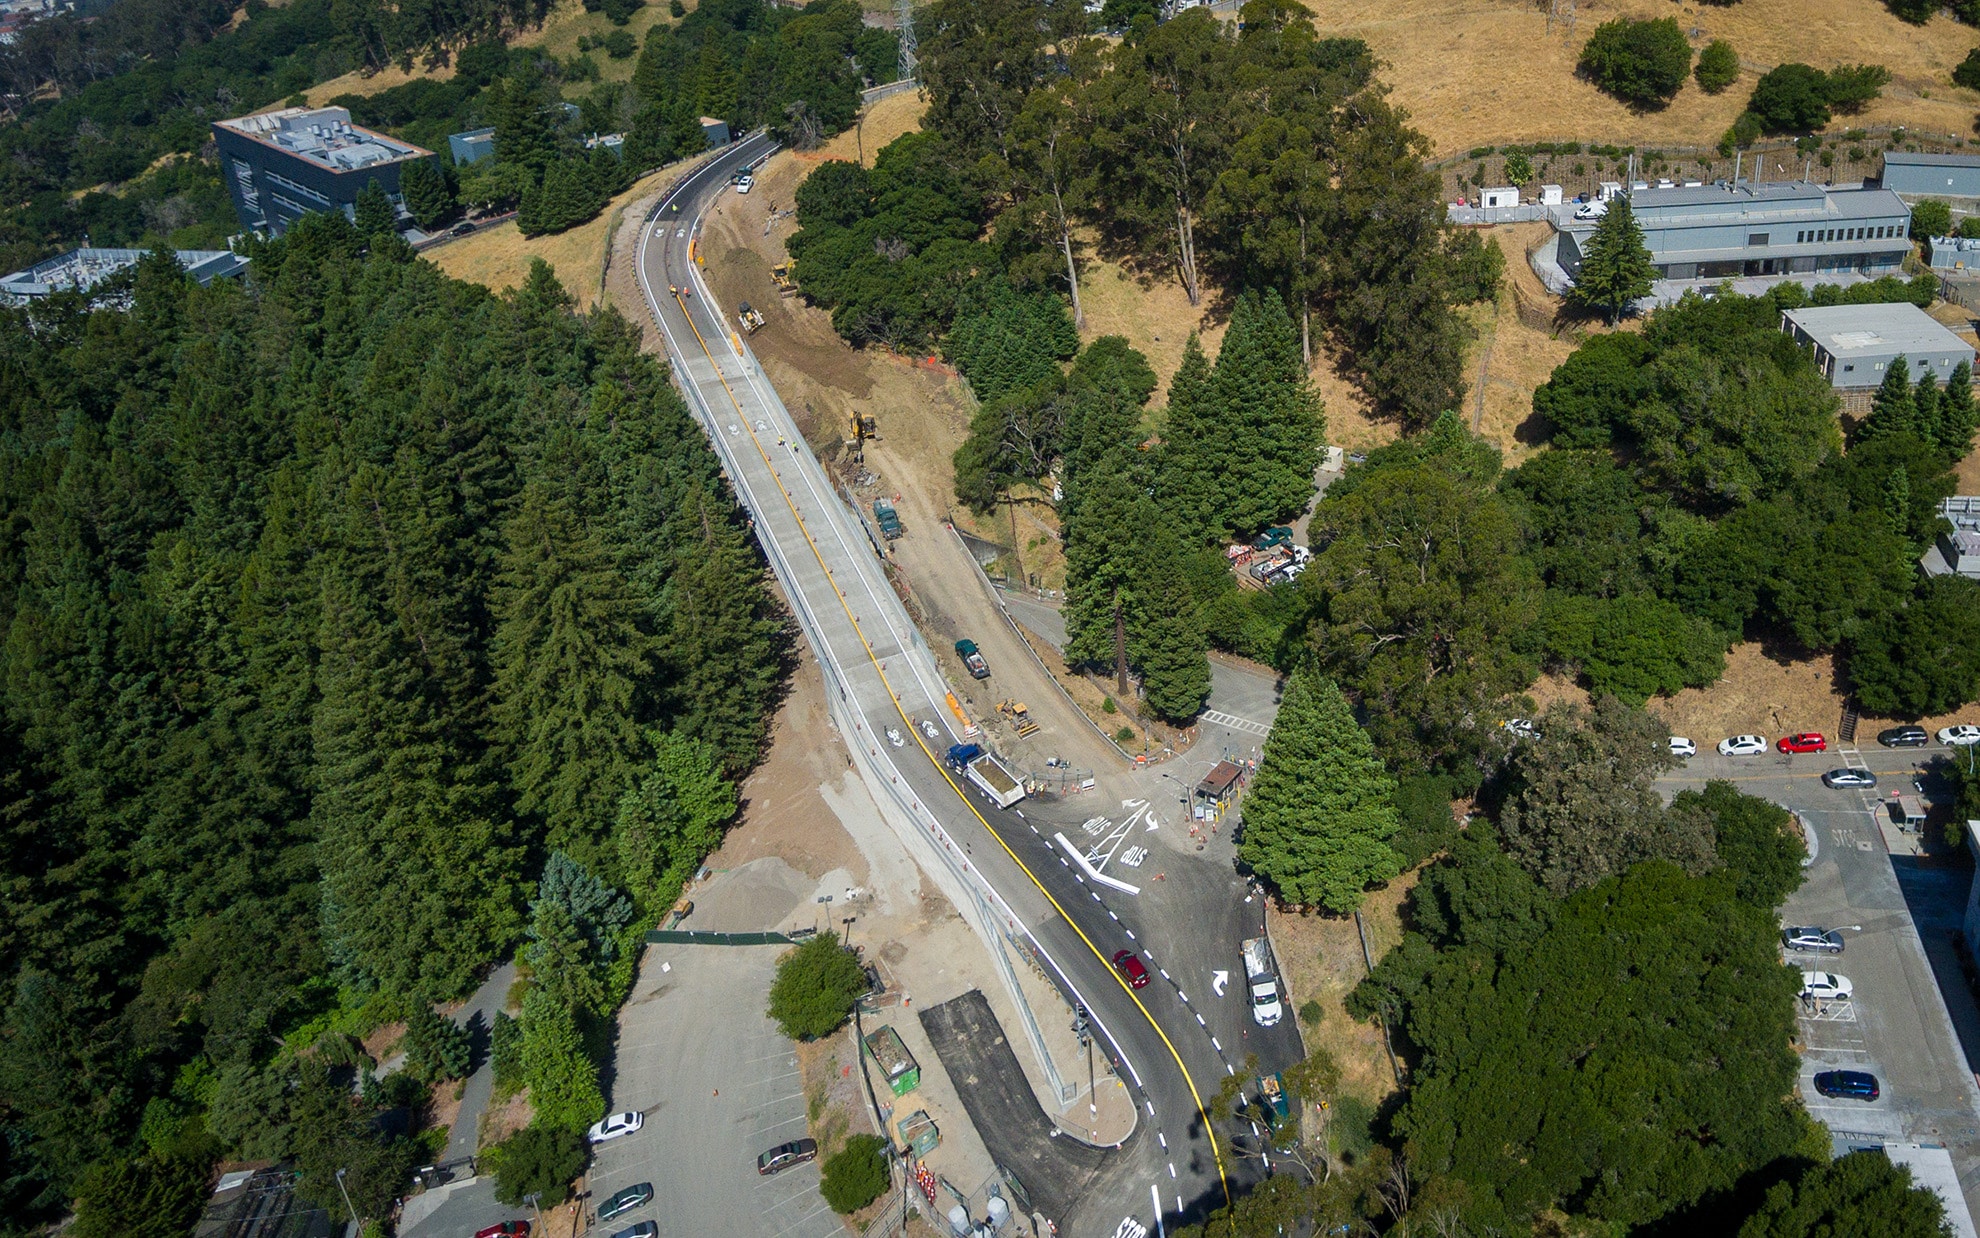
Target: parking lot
{"x":1911,"y":1020}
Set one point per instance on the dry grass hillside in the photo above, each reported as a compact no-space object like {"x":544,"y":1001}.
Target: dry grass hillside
{"x":1480,"y":72}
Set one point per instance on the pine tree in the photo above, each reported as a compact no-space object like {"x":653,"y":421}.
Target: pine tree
{"x":428,"y":199}
{"x":1189,"y":477}
{"x":1168,"y":644}
{"x":1925,"y":399}
{"x":570,"y":660}
{"x":1102,"y":553}
{"x":373,"y":213}
{"x":1893,"y":410}
{"x":1615,"y":268}
{"x":1897,"y":500}
{"x":1953,"y":432}
{"x":672,"y":819}
{"x":1319,"y":816}
{"x":1273,"y":424}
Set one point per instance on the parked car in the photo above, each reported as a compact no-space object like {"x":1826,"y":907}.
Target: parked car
{"x":1849,"y":778}
{"x":1129,"y":964}
{"x":1805,"y":741}
{"x":1812,"y":938}
{"x":1826,"y":986}
{"x":1904,"y":737}
{"x":504,"y":1229}
{"x":746,"y":184}
{"x":1522,"y":728}
{"x":645,"y":1229}
{"x":1960,"y":736}
{"x":1849,"y":1084}
{"x":1591,"y":210}
{"x":625,"y":1201}
{"x":1682,"y":747}
{"x":1742,"y":746}
{"x":615,"y":1125}
{"x":785,"y":1155}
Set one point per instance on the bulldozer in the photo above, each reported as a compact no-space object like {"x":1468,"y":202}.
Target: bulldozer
{"x":785,"y":280}
{"x":1020,"y":717}
{"x":751,"y":319}
{"x":862,"y":428}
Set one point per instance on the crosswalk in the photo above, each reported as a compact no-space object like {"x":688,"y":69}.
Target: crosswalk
{"x":1235,"y":723}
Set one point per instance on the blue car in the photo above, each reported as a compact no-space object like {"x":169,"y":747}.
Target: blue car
{"x":1848,"y":1084}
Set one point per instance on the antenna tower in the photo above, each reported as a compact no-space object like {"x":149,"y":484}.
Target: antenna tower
{"x":904,"y":26}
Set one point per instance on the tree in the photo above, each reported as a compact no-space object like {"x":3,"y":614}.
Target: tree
{"x":428,"y":199}
{"x":539,"y":1160}
{"x":373,"y":212}
{"x":1643,"y":63}
{"x":1759,"y":842}
{"x":1632,"y":647}
{"x":1319,"y":816}
{"x":562,"y":1078}
{"x":815,"y":989}
{"x":1791,"y":98}
{"x":1590,"y":395}
{"x":1581,"y":807}
{"x":1851,"y":88}
{"x":672,"y":819}
{"x":1953,"y":432}
{"x":1923,"y":659}
{"x":1718,"y":67}
{"x":1894,"y":409}
{"x":1519,"y":168}
{"x":1615,"y":269}
{"x":436,"y":1048}
{"x":141,"y":1197}
{"x":1967,"y":72}
{"x":855,"y":1175}
{"x":1930,"y":217}
{"x":1862,"y":1193}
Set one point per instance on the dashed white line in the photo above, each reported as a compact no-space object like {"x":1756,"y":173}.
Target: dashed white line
{"x":1213,"y":1044}
{"x":1200,"y":1022}
{"x":1229,"y":1069}
{"x":1129,"y":932}
{"x":1151,"y":1107}
{"x":1172,"y":1169}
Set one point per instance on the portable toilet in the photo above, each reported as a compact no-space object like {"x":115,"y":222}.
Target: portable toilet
{"x":1504,"y":195}
{"x":1550,"y":195}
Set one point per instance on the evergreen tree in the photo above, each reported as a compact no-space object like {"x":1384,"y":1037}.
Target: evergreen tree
{"x":1615,"y":268}
{"x":1953,"y":432}
{"x":1189,"y":477}
{"x":1273,"y":425}
{"x":1320,"y":813}
{"x":1167,"y":642}
{"x":428,"y":199}
{"x":725,"y":640}
{"x":436,"y":1048}
{"x":672,"y":819}
{"x":1103,"y":555}
{"x":373,"y":213}
{"x":1893,"y":410}
{"x":1925,"y":398}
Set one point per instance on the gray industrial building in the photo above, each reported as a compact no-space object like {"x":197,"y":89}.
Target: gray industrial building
{"x":81,"y":270}
{"x":282,"y":165}
{"x":1725,"y":231}
{"x":1855,"y":344}
{"x":472,"y":146}
{"x":1912,"y":176}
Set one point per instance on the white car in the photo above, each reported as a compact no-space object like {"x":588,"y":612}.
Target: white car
{"x":615,"y":1125}
{"x":1591,"y":210}
{"x":746,"y":184}
{"x":1522,"y":728}
{"x":1682,"y":747}
{"x":1825,"y":986}
{"x":1743,"y":746}
{"x":1960,"y":736}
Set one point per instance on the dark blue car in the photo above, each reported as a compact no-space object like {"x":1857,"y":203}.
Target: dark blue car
{"x":1849,"y":1084}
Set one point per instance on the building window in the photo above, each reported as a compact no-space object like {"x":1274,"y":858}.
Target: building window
{"x":1757,"y":238}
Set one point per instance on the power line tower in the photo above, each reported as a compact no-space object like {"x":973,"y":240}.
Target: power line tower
{"x":904,"y":25}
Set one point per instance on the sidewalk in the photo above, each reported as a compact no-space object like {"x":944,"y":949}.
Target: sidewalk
{"x":478,"y":1017}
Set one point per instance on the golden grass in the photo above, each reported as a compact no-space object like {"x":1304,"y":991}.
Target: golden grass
{"x":1321,"y":959}
{"x":365,"y":84}
{"x":568,"y":22}
{"x":1480,"y":72}
{"x":499,"y":257}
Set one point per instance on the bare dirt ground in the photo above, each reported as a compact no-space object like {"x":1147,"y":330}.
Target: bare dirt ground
{"x":1478,"y":72}
{"x":1322,"y":960}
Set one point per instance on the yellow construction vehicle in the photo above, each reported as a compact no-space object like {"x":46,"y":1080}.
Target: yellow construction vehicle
{"x":1020,"y":717}
{"x":751,"y":320}
{"x":862,"y":429}
{"x":785,"y":279}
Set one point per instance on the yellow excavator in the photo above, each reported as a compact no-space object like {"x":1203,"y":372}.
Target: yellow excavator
{"x":785,"y":280}
{"x":863,"y":427}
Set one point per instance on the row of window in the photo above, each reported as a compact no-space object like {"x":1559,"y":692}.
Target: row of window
{"x":1817,"y":236}
{"x":322,"y":203}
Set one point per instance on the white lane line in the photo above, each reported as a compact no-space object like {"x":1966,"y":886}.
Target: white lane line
{"x":1200,"y":1022}
{"x":1172,"y":1169}
{"x":1130,"y":933}
{"x":1151,"y":1107}
{"x":1213,"y":1044}
{"x":1165,"y":1140}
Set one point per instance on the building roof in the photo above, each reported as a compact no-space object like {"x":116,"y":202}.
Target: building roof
{"x":1875,"y":330}
{"x":1932,"y":1168}
{"x":1787,"y":200}
{"x":1221,"y":778}
{"x":324,"y":136}
{"x":1926,"y":160}
{"x":80,"y":270}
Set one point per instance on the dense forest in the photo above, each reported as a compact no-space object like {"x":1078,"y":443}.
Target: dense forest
{"x":336,"y":609}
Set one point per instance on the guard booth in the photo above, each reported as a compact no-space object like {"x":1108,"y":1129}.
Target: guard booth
{"x":895,"y":1062}
{"x":1908,"y":811}
{"x":1213,"y":795}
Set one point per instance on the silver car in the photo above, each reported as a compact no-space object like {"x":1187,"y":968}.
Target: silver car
{"x":1812,"y":939}
{"x":1849,"y":778}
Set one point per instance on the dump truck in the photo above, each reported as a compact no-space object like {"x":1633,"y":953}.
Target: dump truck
{"x":978,"y":668}
{"x":887,"y":518}
{"x":1020,"y":717}
{"x":1262,"y":981}
{"x":989,"y":775}
{"x":751,"y":320}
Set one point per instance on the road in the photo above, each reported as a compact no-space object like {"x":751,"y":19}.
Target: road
{"x":881,"y":673}
{"x":1912,"y":1022}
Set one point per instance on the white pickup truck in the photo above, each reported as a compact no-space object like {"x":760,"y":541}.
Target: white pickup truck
{"x":1262,"y":982}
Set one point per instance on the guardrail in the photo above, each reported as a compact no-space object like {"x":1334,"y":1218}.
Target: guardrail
{"x":704,"y":937}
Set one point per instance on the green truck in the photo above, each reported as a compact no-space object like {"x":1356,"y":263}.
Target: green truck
{"x":978,"y":668}
{"x":887,"y":518}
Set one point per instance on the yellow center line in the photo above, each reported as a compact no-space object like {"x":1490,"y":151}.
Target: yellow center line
{"x":921,"y":743}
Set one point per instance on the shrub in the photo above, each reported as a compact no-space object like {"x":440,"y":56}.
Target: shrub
{"x":1643,"y":63}
{"x":1967,"y":74}
{"x":1849,"y":88}
{"x":855,"y":1175}
{"x":1930,"y":217}
{"x":436,"y":1048}
{"x":1791,"y":98}
{"x":1519,"y":168}
{"x":619,"y":45}
{"x":815,"y":989}
{"x":1718,"y":67}
{"x":1917,"y":12}
{"x":538,"y":1160}
{"x":1311,"y":1013}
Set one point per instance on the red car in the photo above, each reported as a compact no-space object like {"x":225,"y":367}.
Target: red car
{"x":1807,"y":741}
{"x":507,"y":1229}
{"x":1128,"y":963}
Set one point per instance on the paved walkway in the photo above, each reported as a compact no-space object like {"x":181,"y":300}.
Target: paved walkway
{"x":478,"y":1017}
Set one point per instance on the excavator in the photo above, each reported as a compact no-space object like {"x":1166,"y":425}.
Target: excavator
{"x":863,"y":427}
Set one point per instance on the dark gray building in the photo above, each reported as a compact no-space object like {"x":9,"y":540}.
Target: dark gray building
{"x":472,"y":146}
{"x":1912,"y":175}
{"x":1725,"y":231}
{"x":1855,"y":344}
{"x":282,"y":165}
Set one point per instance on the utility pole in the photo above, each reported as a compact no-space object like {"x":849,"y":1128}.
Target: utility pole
{"x":910,"y":64}
{"x":347,"y":1196}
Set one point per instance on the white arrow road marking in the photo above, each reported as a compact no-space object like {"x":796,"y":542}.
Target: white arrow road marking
{"x":1218,"y":979}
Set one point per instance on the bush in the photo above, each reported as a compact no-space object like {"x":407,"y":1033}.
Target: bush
{"x":815,"y":989}
{"x":538,"y":1160}
{"x":1967,"y":74}
{"x":1718,"y":67}
{"x":1929,"y":218}
{"x":855,"y":1175}
{"x":1849,"y":88}
{"x":1124,"y":736}
{"x":1311,"y":1013}
{"x":1643,"y":63}
{"x":620,"y":45}
{"x":1791,"y":98}
{"x":1917,"y":12}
